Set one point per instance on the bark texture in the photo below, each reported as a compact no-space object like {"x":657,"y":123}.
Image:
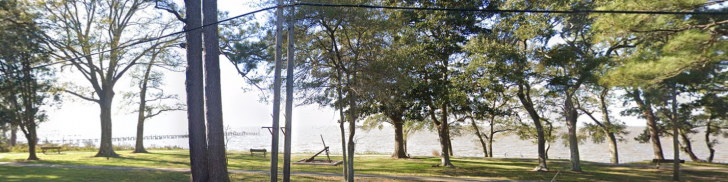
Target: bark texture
{"x":107,"y":148}
{"x":340,"y":103}
{"x":525,"y":97}
{"x":32,"y":138}
{"x":139,"y":148}
{"x":195,"y":93}
{"x":708,"y":143}
{"x":399,"y":150}
{"x":687,"y":147}
{"x":646,"y":109}
{"x":480,"y":137}
{"x":352,"y":129}
{"x":13,"y":134}
{"x":571,"y":117}
{"x":217,"y":160}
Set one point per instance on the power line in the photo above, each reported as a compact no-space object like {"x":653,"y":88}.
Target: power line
{"x":517,"y":10}
{"x":153,"y":39}
{"x":400,"y":8}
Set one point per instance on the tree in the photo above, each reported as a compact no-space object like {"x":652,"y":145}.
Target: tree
{"x":509,"y":53}
{"x":151,"y":97}
{"x":664,"y":46}
{"x":438,"y":37}
{"x":606,"y":128}
{"x":335,"y":45}
{"x":101,"y":51}
{"x":481,"y":97}
{"x":25,"y":82}
{"x":408,"y":127}
{"x":217,"y":156}
{"x":388,"y":96}
{"x":194,"y":90}
{"x":644,"y":107}
{"x":714,"y":120}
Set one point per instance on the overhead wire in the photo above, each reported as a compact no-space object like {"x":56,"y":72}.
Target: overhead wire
{"x":401,"y":8}
{"x":153,"y":39}
{"x":576,"y":11}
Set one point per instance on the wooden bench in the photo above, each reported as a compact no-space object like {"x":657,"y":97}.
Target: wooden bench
{"x":258,"y":150}
{"x":668,"y":161}
{"x":58,"y":149}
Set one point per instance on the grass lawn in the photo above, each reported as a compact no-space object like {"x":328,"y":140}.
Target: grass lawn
{"x":498,"y":168}
{"x":35,"y":174}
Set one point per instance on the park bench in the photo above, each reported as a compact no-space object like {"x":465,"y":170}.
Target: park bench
{"x":258,"y":150}
{"x":668,"y":161}
{"x":58,"y":149}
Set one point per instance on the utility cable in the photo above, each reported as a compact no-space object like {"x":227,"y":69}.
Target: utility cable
{"x":517,"y":10}
{"x":401,"y":8}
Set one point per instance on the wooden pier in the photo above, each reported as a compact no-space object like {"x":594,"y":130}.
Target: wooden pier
{"x":151,"y":137}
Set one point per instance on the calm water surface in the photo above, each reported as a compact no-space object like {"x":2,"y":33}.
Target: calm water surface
{"x":308,"y":139}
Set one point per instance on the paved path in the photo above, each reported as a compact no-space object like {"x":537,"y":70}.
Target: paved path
{"x":412,"y":178}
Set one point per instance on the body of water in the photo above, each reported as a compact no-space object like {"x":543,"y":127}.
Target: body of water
{"x":308,"y":140}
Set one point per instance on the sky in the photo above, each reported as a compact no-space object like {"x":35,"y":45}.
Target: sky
{"x":240,"y":108}
{"x":79,"y":118}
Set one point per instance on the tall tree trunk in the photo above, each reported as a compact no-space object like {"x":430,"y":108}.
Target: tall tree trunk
{"x":480,"y":137}
{"x":675,"y":143}
{"x":343,"y":148}
{"x":647,"y":112}
{"x":32,"y":138}
{"x":707,"y":139}
{"x":399,"y":152}
{"x":405,"y":147}
{"x":443,"y":124}
{"x":217,"y":165}
{"x":546,"y":152}
{"x":27,"y":122}
{"x":139,"y":148}
{"x":449,"y":144}
{"x":13,"y":134}
{"x":571,"y":117}
{"x":195,"y":93}
{"x":342,"y":119}
{"x":613,"y":148}
{"x":607,"y":126}
{"x":352,"y":131}
{"x":442,"y":133}
{"x":107,"y":148}
{"x":490,"y":136}
{"x":443,"y":136}
{"x":525,"y":98}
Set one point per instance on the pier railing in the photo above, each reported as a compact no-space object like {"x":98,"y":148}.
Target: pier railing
{"x":150,"y":137}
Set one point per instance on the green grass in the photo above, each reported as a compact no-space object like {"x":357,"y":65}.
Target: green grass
{"x":11,"y":174}
{"x":687,"y":163}
{"x":515,"y":169}
{"x":35,"y":174}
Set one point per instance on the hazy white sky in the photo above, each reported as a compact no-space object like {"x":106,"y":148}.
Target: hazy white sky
{"x":240,"y":109}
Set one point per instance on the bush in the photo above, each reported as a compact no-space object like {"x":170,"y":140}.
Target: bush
{"x":435,"y":153}
{"x":4,"y":144}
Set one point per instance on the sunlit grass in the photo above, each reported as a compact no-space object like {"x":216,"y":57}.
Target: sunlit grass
{"x":497,"y":168}
{"x":35,"y":174}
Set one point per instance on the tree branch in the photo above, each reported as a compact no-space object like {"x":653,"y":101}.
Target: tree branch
{"x":163,"y":110}
{"x":81,"y":96}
